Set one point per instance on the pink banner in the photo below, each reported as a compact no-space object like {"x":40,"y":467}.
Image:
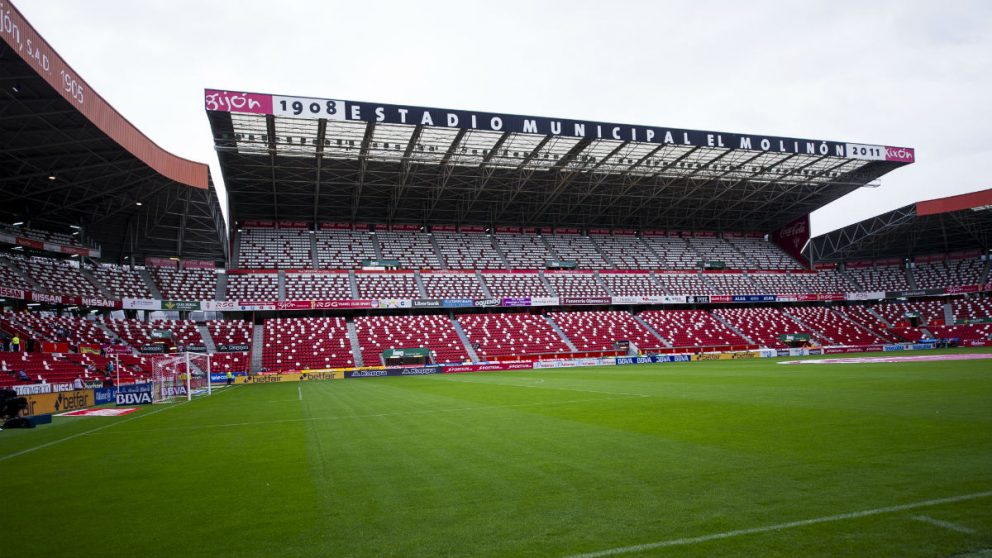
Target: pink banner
{"x":341,"y":304}
{"x":488,"y":367}
{"x":900,"y":154}
{"x":232,"y":101}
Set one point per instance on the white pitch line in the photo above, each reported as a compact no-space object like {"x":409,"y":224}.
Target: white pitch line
{"x":782,"y":526}
{"x":299,"y":389}
{"x":91,"y":431}
{"x":945,"y":524}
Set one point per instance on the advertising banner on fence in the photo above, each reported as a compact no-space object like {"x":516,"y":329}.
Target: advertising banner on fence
{"x":544,"y":301}
{"x":233,"y":347}
{"x":493,"y":367}
{"x":220,"y":305}
{"x":621,"y":361}
{"x":306,"y":376}
{"x":516,"y":301}
{"x":585,"y":300}
{"x":737,"y":355}
{"x":361,"y":304}
{"x":376,"y":373}
{"x":142,"y":304}
{"x":181,"y":305}
{"x":137,"y":398}
{"x":457,"y":302}
{"x":48,"y":403}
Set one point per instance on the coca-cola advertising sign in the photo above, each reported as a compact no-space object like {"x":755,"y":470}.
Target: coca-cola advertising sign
{"x":793,"y":237}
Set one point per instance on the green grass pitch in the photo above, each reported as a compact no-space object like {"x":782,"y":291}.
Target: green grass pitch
{"x":721,"y":458}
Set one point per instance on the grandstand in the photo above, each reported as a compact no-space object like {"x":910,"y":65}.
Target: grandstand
{"x":579,"y":239}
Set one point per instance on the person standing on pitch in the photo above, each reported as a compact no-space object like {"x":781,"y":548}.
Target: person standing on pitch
{"x":230,"y":378}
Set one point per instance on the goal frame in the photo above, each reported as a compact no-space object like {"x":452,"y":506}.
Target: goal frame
{"x":182,"y":366}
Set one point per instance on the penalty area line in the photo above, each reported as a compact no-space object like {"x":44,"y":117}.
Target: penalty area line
{"x":783,"y":526}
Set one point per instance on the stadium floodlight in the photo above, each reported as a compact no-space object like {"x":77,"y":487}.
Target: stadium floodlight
{"x":180,"y":376}
{"x":17,"y":224}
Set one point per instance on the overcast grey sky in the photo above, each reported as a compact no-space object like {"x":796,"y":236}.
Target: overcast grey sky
{"x":914,"y":74}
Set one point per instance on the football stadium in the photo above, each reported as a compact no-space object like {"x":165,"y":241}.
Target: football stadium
{"x":418,"y":331}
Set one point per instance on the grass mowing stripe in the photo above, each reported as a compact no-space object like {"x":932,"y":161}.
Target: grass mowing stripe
{"x":378,"y":415}
{"x":783,"y":526}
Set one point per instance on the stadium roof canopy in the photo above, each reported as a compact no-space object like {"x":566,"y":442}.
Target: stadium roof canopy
{"x":328,"y":160}
{"x":940,"y":226}
{"x":69,"y":158}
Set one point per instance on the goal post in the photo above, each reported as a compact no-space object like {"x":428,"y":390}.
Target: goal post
{"x":180,"y":376}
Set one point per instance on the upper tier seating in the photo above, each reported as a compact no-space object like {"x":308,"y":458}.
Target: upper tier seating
{"x":337,"y":249}
{"x":318,"y":286}
{"x":599,"y":331}
{"x":971,"y":308}
{"x":632,"y":284}
{"x":452,"y":285}
{"x":674,"y":252}
{"x":517,"y":334}
{"x":254,"y":286}
{"x":515,"y":284}
{"x":627,"y":252}
{"x":524,"y":251}
{"x":776,"y":283}
{"x":717,"y":249}
{"x":733,"y":284}
{"x":9,"y":278}
{"x":577,"y":248}
{"x":684,"y":283}
{"x":185,"y":284}
{"x":59,"y":278}
{"x":764,"y":325}
{"x":435,"y":332}
{"x":764,"y":254}
{"x":882,"y":278}
{"x":836,"y":326}
{"x":413,"y":249}
{"x":468,"y":250}
{"x":42,"y":236}
{"x":122,"y":281}
{"x":275,"y":249}
{"x":575,"y":284}
{"x":825,"y":281}
{"x":306,"y":343}
{"x":387,"y":285}
{"x":952,"y":273}
{"x":691,"y":328}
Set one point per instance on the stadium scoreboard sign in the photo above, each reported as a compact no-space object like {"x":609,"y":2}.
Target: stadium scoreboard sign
{"x":217,"y":100}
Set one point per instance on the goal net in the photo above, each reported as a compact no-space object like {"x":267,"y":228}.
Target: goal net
{"x":180,"y":376}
